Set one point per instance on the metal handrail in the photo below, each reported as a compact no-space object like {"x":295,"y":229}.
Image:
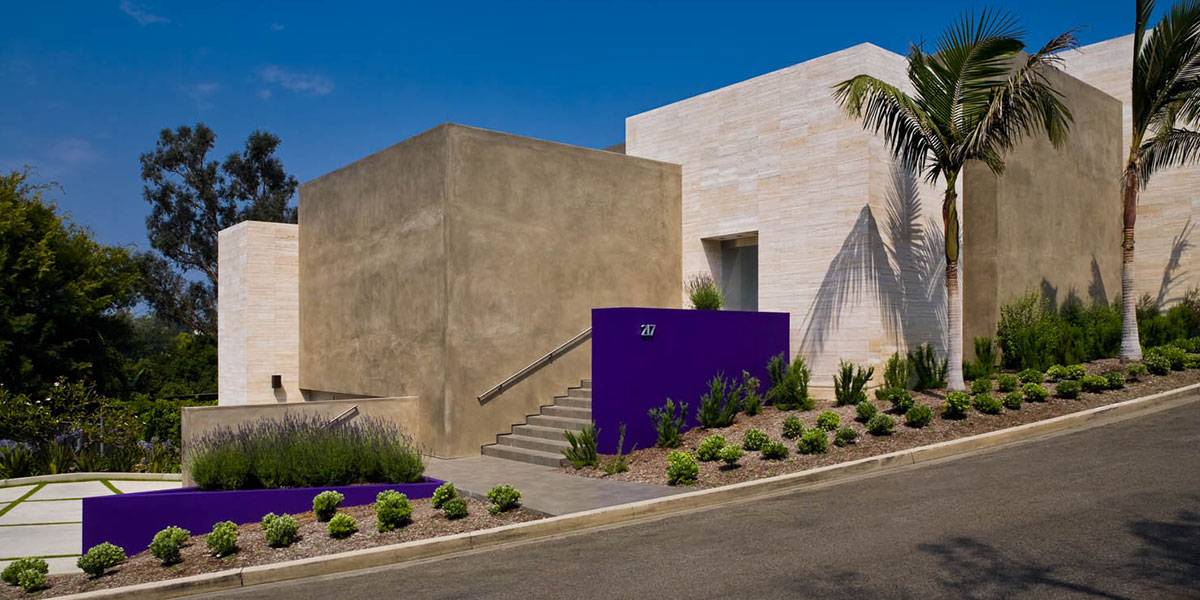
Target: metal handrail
{"x":537,"y":364}
{"x":337,"y":420}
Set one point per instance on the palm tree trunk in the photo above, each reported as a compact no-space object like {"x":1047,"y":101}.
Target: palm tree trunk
{"x":954,"y":323}
{"x":1131,"y":347}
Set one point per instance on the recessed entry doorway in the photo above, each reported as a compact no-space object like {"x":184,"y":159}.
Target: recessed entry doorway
{"x":734,"y":259}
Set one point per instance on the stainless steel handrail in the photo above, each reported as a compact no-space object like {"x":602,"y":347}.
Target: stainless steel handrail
{"x":337,"y":420}
{"x":537,"y":364}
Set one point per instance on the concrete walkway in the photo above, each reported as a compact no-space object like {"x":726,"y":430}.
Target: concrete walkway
{"x":46,"y":519}
{"x":543,"y":489}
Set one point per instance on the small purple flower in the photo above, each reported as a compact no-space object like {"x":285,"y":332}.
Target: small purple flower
{"x":145,"y":446}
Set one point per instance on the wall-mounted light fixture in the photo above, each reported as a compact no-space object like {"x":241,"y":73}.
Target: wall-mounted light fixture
{"x":276,"y":382}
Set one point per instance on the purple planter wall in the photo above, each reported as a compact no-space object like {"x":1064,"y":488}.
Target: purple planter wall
{"x":131,"y":520}
{"x":632,"y":373}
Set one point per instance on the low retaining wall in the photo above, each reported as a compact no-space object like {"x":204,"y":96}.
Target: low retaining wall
{"x":131,"y":520}
{"x":642,"y":356}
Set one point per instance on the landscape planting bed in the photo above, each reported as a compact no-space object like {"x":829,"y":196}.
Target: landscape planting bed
{"x":649,"y":465}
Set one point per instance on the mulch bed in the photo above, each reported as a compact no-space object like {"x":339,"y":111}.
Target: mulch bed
{"x":650,"y":465}
{"x":427,"y":522}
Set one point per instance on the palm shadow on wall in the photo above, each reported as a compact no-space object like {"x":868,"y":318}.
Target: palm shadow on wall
{"x":1171,"y":275}
{"x":904,"y":274}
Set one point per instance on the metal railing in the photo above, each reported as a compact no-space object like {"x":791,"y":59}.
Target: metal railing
{"x":546,"y":359}
{"x":345,"y":416}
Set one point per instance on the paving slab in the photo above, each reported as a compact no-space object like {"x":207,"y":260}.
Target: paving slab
{"x":62,"y":565}
{"x":74,"y":489}
{"x":53,"y":511}
{"x":543,"y":489}
{"x":40,"y":540}
{"x":132,"y":487}
{"x":9,"y":494}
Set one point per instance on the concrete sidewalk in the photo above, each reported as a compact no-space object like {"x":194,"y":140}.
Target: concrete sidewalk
{"x":543,"y":489}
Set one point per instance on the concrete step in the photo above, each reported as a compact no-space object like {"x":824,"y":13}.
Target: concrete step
{"x":580,"y":392}
{"x":534,"y":443}
{"x":559,"y":422}
{"x":534,"y":431}
{"x":587,"y":383}
{"x":536,"y":457}
{"x":557,"y":410}
{"x":574,"y":402}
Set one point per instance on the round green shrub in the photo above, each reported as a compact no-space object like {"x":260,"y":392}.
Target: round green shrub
{"x":100,"y":557}
{"x":982,"y":385}
{"x":1174,"y":354}
{"x":494,"y":509}
{"x":881,"y":425}
{"x":223,"y":539}
{"x":918,"y":416}
{"x":393,"y":510}
{"x":326,"y":504}
{"x":731,"y":454}
{"x":1056,"y":373}
{"x":280,"y":530}
{"x":1007,"y":382}
{"x":1075,"y":372}
{"x":829,"y":420}
{"x":1031,"y":376}
{"x":681,"y":468}
{"x":505,"y":496}
{"x":1067,"y":388}
{"x":31,"y":579}
{"x":710,"y":448}
{"x":16,"y":569}
{"x":444,"y":492}
{"x":845,"y":436}
{"x":1156,"y":364}
{"x":813,"y":441}
{"x":956,"y":406}
{"x":754,"y":439}
{"x":1034,"y":392}
{"x":902,"y":400}
{"x":166,"y":544}
{"x":454,"y":508}
{"x":884,"y":394}
{"x":865,"y":410}
{"x":1136,"y":371}
{"x":1114,"y":380}
{"x":1013,"y":401}
{"x":792,"y":427}
{"x":1094,"y":384}
{"x":988,"y":404}
{"x":342,"y":526}
{"x":774,"y":450}
{"x":704,"y":293}
{"x":1192,"y":361}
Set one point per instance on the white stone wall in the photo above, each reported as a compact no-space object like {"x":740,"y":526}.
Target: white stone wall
{"x":258,"y":313}
{"x":775,"y":156}
{"x":1168,"y":208}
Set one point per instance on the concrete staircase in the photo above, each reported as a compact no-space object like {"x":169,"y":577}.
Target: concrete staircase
{"x":540,"y":439}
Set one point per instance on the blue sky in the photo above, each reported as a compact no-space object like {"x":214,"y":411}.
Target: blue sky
{"x":89,"y":84}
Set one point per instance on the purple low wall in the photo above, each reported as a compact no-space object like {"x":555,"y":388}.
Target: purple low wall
{"x":131,"y":520}
{"x":633,"y":372}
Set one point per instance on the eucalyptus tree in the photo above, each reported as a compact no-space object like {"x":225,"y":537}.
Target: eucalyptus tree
{"x":973,"y":99}
{"x":1166,"y":106}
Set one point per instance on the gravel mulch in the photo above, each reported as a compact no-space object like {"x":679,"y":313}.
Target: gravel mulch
{"x":650,"y":465}
{"x":427,"y":522}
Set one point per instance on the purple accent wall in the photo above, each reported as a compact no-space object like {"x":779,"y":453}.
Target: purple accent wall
{"x":131,"y":520}
{"x":632,"y":374}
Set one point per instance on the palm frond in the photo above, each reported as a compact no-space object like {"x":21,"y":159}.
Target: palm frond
{"x":1166,"y":64}
{"x":1170,"y":148}
{"x":885,"y":108}
{"x":973,"y":56}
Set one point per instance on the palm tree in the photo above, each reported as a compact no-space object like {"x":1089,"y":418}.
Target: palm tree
{"x":974,"y":99}
{"x":1166,"y":101}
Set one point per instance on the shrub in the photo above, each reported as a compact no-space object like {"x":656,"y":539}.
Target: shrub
{"x":681,"y":468}
{"x":668,"y":424}
{"x":1174,"y":355}
{"x":1114,"y":380}
{"x":930,"y":373}
{"x":789,"y":384}
{"x":793,"y":427}
{"x":731,"y":454}
{"x":166,"y":544}
{"x":454,"y":508}
{"x":719,"y":405}
{"x":1013,"y":401}
{"x":223,"y":539}
{"x":326,"y":504}
{"x":981,"y":386}
{"x":1030,"y":376}
{"x":918,"y":416}
{"x":618,"y":464}
{"x":984,"y":364}
{"x":393,"y":510}
{"x":704,"y":293}
{"x":1136,"y":371}
{"x":956,"y":405}
{"x":1181,"y":321}
{"x":988,"y":404}
{"x":100,"y":557}
{"x":444,"y":492}
{"x":1156,"y":363}
{"x":849,"y":383}
{"x":1094,"y":384}
{"x":1067,"y":388}
{"x":774,"y":450}
{"x":1056,"y":373}
{"x":14,"y":573}
{"x":896,"y":373}
{"x":1074,"y":372}
{"x":1033,"y":335}
{"x":1192,"y":361}
{"x":505,"y":496}
{"x":304,"y":452}
{"x":865,"y":410}
{"x":280,"y":530}
{"x":754,"y":439}
{"x":881,"y":425}
{"x":902,"y":401}
{"x":581,"y":450}
{"x":829,"y":420}
{"x":814,"y":441}
{"x":752,"y":402}
{"x":844,"y":436}
{"x":342,"y":526}
{"x":30,"y":579}
{"x":710,"y":448}
{"x":1034,"y":392}
{"x":1007,"y":382}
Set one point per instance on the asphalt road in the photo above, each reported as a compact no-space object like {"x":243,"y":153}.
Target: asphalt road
{"x":1109,"y":512}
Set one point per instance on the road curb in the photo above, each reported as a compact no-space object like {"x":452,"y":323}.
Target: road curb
{"x":90,"y":476}
{"x":645,"y":509}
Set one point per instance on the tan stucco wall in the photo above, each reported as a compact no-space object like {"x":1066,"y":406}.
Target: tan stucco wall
{"x":1164,"y":253}
{"x":257,"y":313}
{"x":442,"y":265}
{"x":1050,"y":222}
